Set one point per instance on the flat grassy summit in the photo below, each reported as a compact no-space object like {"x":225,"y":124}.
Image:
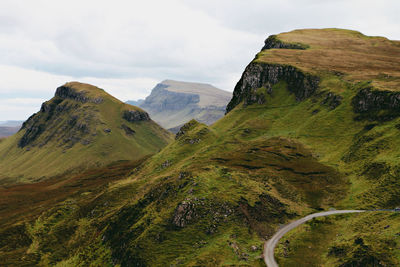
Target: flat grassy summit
{"x":351,"y":54}
{"x":80,"y":126}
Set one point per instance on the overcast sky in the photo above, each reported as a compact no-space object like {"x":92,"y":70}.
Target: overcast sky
{"x":127,"y":47}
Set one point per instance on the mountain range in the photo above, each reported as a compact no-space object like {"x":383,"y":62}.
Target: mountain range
{"x":173,"y":103}
{"x":313,"y":124}
{"x":8,"y":128}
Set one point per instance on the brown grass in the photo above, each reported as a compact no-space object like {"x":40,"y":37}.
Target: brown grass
{"x":24,"y":202}
{"x":350,"y":53}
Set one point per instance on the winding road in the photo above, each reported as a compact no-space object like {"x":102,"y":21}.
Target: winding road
{"x":269,"y":246}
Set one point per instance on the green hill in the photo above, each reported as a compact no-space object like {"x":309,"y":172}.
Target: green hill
{"x":313,"y":124}
{"x":81,"y":126}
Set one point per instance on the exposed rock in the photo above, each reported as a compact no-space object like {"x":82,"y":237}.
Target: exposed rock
{"x":135,"y":115}
{"x":183,"y":214}
{"x":315,"y":111}
{"x":185,"y":128}
{"x":107,"y":130}
{"x":170,"y":100}
{"x":67,"y":92}
{"x":165,"y":164}
{"x":30,"y":135}
{"x":172,"y":103}
{"x":183,"y":175}
{"x":85,"y":142}
{"x":257,"y":75}
{"x":127,"y":129}
{"x":376,"y":104}
{"x":254,"y":248}
{"x":273,"y":42}
{"x":332,"y":100}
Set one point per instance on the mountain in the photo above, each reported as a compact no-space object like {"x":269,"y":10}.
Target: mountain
{"x":313,"y":124}
{"x":8,"y":128}
{"x":173,"y":103}
{"x":81,"y":126}
{"x":135,"y":102}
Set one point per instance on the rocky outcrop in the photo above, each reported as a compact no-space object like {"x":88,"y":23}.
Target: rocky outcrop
{"x":376,"y":104}
{"x":332,"y":100}
{"x":257,"y":75}
{"x":127,"y":129}
{"x":185,"y":128}
{"x":30,"y":135}
{"x":273,"y":42}
{"x":184,"y":213}
{"x":57,"y":120}
{"x":135,"y":115}
{"x":66,"y":92}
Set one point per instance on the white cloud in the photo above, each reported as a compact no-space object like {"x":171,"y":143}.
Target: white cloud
{"x":18,"y":108}
{"x":126,"y":47}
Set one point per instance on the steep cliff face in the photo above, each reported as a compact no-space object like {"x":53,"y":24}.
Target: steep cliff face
{"x":173,"y":103}
{"x":257,"y":75}
{"x":274,"y":42}
{"x":61,"y":119}
{"x":135,"y":115}
{"x":377,"y":104}
{"x":340,"y":95}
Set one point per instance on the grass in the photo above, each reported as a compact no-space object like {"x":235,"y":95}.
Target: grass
{"x":216,"y":193}
{"x":368,"y":239}
{"x":343,"y":52}
{"x":47,"y":154}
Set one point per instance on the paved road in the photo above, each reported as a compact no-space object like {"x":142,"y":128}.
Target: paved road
{"x":269,"y":246}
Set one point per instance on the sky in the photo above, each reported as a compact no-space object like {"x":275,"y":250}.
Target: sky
{"x":127,"y":47}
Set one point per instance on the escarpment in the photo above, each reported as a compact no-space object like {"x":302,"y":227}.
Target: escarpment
{"x":61,"y":122}
{"x":161,"y":99}
{"x":257,"y":75}
{"x":135,"y":115}
{"x":376,"y":104}
{"x":67,"y":92}
{"x":274,"y":42}
{"x":173,"y":103}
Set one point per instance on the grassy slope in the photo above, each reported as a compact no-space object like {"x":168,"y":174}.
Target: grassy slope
{"x":260,"y":166}
{"x":369,"y":158}
{"x":356,"y":56}
{"x":103,"y":148}
{"x":240,"y":197}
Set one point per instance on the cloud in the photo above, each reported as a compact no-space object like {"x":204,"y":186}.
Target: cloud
{"x":20,"y":108}
{"x":126,"y":47}
{"x":23,"y":90}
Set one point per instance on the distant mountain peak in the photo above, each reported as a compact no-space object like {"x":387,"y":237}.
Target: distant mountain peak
{"x":173,"y":103}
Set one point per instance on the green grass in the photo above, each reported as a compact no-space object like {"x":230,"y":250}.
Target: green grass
{"x":37,"y":160}
{"x":231,"y":185}
{"x":356,"y":240}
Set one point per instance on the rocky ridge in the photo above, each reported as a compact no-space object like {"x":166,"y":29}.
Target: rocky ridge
{"x":274,"y":42}
{"x":377,"y":104}
{"x":257,"y":75}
